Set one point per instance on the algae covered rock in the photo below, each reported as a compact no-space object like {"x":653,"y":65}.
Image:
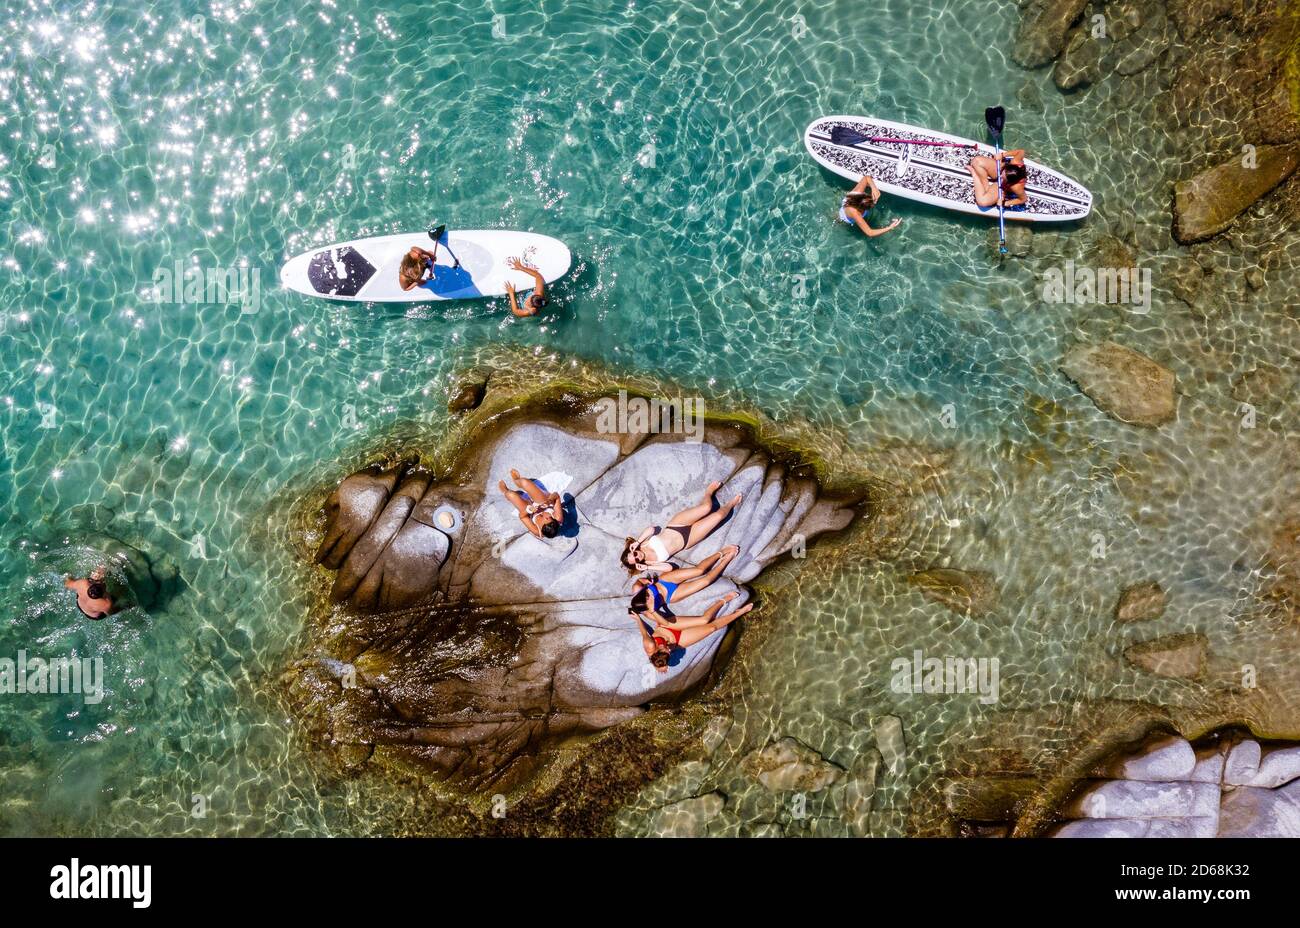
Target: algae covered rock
{"x":1043,"y":29}
{"x":1140,"y":603}
{"x":787,"y":765}
{"x":962,"y":591}
{"x":1208,"y":203}
{"x":1124,"y":383}
{"x":1181,"y":656}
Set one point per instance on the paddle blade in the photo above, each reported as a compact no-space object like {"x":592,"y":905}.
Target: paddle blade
{"x":996,"y":117}
{"x":437,"y":233}
{"x":843,"y":135}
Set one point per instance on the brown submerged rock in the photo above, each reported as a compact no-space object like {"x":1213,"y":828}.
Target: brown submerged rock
{"x":1140,"y":603}
{"x":1043,"y":29}
{"x":965,"y":592}
{"x":1208,"y":203}
{"x":1124,"y":383}
{"x":787,"y":765}
{"x":1180,"y":656}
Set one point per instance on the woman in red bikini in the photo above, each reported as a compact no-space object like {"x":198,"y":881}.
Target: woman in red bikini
{"x":656,"y":547}
{"x":662,"y":639}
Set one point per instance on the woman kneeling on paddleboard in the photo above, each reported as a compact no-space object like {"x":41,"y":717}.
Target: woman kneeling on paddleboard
{"x":858,"y":202}
{"x":415,"y":265}
{"x":984,"y":171}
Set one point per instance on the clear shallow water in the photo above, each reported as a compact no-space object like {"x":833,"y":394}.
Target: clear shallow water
{"x":662,"y":142}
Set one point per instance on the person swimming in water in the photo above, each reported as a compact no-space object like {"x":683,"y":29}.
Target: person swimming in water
{"x":860,"y":201}
{"x":662,"y":640}
{"x":984,"y":172}
{"x":652,"y":595}
{"x":655,"y":547}
{"x":541,"y":512}
{"x":92,"y":594}
{"x":537,"y":300}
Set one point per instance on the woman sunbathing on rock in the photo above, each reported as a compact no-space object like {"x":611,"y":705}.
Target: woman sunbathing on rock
{"x":661,"y":640}
{"x":541,"y":512}
{"x":656,"y":547}
{"x":651,"y":595}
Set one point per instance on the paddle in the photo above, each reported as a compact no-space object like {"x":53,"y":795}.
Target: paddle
{"x":843,"y":135}
{"x":436,"y":235}
{"x":996,"y":118}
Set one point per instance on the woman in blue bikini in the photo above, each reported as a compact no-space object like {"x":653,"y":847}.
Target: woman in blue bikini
{"x":652,"y":594}
{"x":858,"y":202}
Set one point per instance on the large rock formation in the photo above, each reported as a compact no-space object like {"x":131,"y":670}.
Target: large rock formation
{"x":469,"y":646}
{"x":1229,"y":788}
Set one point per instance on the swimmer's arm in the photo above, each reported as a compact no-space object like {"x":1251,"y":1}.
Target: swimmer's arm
{"x":875,"y":191}
{"x":870,"y":232}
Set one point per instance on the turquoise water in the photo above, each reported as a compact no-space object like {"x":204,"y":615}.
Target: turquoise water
{"x":662,"y":142}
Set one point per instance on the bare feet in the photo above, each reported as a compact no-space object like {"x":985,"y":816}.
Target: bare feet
{"x":502,"y":486}
{"x":514,"y":474}
{"x":733,"y":503}
{"x":742,"y":610}
{"x":729,"y":552}
{"x":714,"y":487}
{"x":730,"y":596}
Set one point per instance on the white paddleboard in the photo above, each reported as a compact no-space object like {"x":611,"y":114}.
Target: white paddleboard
{"x":934,"y":174}
{"x":366,"y":270}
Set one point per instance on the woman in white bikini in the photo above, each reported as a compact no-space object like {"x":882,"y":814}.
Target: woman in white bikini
{"x":541,"y":512}
{"x":656,"y":547}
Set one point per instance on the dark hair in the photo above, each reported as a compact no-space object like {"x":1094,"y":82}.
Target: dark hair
{"x":1013,"y":174}
{"x":538,"y":300}
{"x":551,"y":529}
{"x":95,"y":589}
{"x":863,"y":200}
{"x":639,"y":600}
{"x":626,"y":557}
{"x":661,"y":657}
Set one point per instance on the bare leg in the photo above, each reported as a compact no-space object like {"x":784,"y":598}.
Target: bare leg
{"x":981,"y":169}
{"x":696,"y":513}
{"x":516,"y":498}
{"x":682,"y":574}
{"x":704,"y":527}
{"x":529,"y":486}
{"x":720,"y":562}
